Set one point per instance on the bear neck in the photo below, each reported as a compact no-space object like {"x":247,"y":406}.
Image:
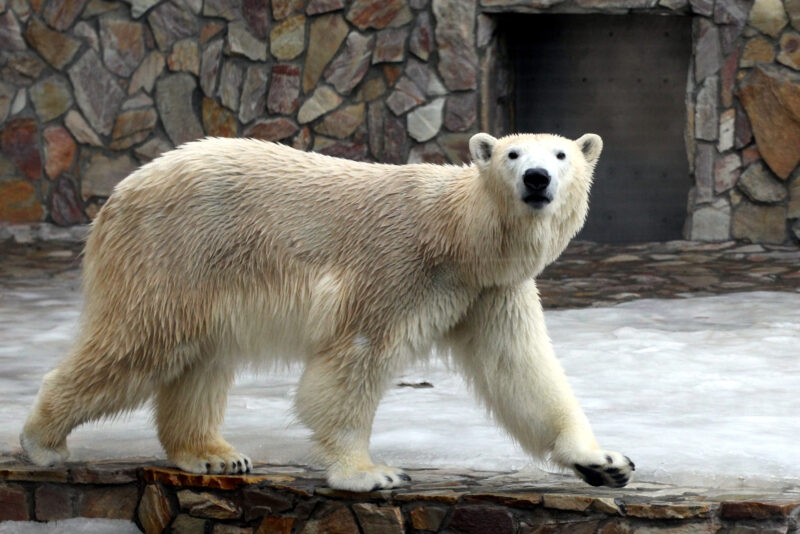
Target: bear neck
{"x":490,"y":244}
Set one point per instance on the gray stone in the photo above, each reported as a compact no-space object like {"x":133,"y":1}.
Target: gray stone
{"x":244,"y":43}
{"x":352,"y":150}
{"x":284,"y":90}
{"x":230,"y":83}
{"x":283,"y":8}
{"x":794,"y":197}
{"x":123,"y":44}
{"x":11,"y":33}
{"x":759,"y":224}
{"x":132,"y":127}
{"x":390,"y":45}
{"x":208,"y":505}
{"x":22,"y":68}
{"x":145,"y":76}
{"x":287,"y":39}
{"x":51,"y":98}
{"x":395,"y":140}
{"x":317,"y":7}
{"x":209,"y":67}
{"x":706,"y":114}
{"x":80,"y":129}
{"x":424,"y":77}
{"x":325,"y":35}
{"x":455,"y":33}
{"x":86,"y":32}
{"x":186,"y":524}
{"x":793,"y":10}
{"x":726,"y":172}
{"x":712,"y":222}
{"x":426,"y":121}
{"x":342,"y":122}
{"x":421,"y":42}
{"x":254,"y":92}
{"x":140,"y":7}
{"x":18,"y":104}
{"x":727,"y":128}
{"x":99,"y":7}
{"x":60,"y":14}
{"x":375,"y":113}
{"x":674,"y":5}
{"x":226,"y":9}
{"x":707,"y":58}
{"x":96,"y":91}
{"x":486,"y":28}
{"x":174,"y":95}
{"x":138,"y":101}
{"x":460,"y":111}
{"x":374,"y":13}
{"x":171,"y":23}
{"x":184,"y":57}
{"x":56,"y":48}
{"x":732,"y":12}
{"x":103,"y":173}
{"x":704,"y":172}
{"x":272,"y":129}
{"x":703,"y":7}
{"x":379,"y":519}
{"x":322,"y":101}
{"x":406,"y":96}
{"x":760,"y":185}
{"x":6,"y":96}
{"x":768,"y":16}
{"x":351,"y":64}
{"x":430,"y":152}
{"x":153,"y":148}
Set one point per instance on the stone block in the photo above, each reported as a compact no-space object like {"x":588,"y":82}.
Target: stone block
{"x":322,"y":101}
{"x":171,"y":22}
{"x":379,"y":519}
{"x":425,"y":121}
{"x":254,"y":91}
{"x":771,"y":98}
{"x":428,"y":153}
{"x":726,"y":172}
{"x":338,"y":520}
{"x":116,"y":502}
{"x":317,"y":7}
{"x":421,"y":42}
{"x":19,"y":143}
{"x":342,"y":122}
{"x":14,"y":500}
{"x":272,"y":129}
{"x":353,"y":150}
{"x":208,"y":505}
{"x":209,"y":67}
{"x":390,"y":45}
{"x":51,"y":97}
{"x":132,"y":127}
{"x":707,"y":54}
{"x":455,"y":35}
{"x":96,"y":91}
{"x":174,"y":94}
{"x":66,"y":207}
{"x":284,"y":91}
{"x":287,"y":39}
{"x":351,"y":64}
{"x":283,"y":8}
{"x":123,"y":44}
{"x":80,"y":129}
{"x":144,"y":77}
{"x":758,"y":224}
{"x":11,"y":33}
{"x":217,"y":120}
{"x":277,"y":525}
{"x":186,"y":524}
{"x":326,"y":34}
{"x":227,"y":9}
{"x":59,"y":150}
{"x":481,"y":519}
{"x":789,"y":53}
{"x":243,"y":43}
{"x":53,"y":502}
{"x":103,"y":173}
{"x":757,"y":50}
{"x":258,"y":502}
{"x":706,"y":111}
{"x":405,"y":96}
{"x":427,"y":517}
{"x":760,"y":185}
{"x":375,"y":14}
{"x":56,"y":48}
{"x":184,"y":57}
{"x":395,"y":140}
{"x":768,"y":16}
{"x":460,"y":111}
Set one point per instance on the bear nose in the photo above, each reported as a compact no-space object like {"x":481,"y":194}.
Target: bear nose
{"x":536,"y":179}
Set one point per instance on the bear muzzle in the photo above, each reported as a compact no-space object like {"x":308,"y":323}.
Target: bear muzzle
{"x":537,"y":193}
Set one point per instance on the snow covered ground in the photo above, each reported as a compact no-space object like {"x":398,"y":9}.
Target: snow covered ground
{"x":698,"y":391}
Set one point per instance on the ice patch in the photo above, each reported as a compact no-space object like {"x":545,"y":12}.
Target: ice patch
{"x":71,"y":526}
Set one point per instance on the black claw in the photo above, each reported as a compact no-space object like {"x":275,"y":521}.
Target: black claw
{"x":405,"y":477}
{"x":222,"y":465}
{"x":208,"y":466}
{"x":591,"y":477}
{"x":612,"y":470}
{"x":609,"y":459}
{"x":376,"y":487}
{"x":389,"y":479}
{"x":594,"y":466}
{"x":630,"y":463}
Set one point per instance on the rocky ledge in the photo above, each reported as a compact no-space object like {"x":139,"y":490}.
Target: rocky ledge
{"x":285,"y":499}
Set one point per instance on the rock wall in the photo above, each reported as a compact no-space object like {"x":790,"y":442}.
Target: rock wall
{"x":286,"y":499}
{"x":90,"y":89}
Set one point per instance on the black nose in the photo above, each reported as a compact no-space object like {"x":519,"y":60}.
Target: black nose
{"x":536,"y":179}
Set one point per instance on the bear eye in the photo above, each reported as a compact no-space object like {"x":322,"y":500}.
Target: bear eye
{"x":561,"y":155}
{"x":513,"y":154}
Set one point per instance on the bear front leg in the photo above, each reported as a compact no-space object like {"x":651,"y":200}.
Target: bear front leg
{"x":337,"y":398}
{"x":503,"y":349}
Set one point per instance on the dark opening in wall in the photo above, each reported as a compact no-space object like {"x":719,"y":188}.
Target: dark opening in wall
{"x":624,"y":78}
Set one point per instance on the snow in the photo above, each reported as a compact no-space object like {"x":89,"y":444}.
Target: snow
{"x":71,"y":526}
{"x":698,"y":391}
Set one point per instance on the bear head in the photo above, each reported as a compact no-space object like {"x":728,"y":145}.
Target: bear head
{"x":537,"y":174}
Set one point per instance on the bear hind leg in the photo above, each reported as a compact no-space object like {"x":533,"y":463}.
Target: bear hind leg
{"x":83,"y":388}
{"x":188,"y":413}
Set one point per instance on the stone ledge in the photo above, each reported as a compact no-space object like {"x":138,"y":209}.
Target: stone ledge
{"x":285,"y":499}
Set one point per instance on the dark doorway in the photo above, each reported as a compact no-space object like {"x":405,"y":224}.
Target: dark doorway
{"x":624,"y":78}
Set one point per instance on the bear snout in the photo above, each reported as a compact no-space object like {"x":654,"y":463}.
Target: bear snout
{"x":537,"y":183}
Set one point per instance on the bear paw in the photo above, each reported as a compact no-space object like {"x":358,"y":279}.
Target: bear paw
{"x":41,"y":455}
{"x":227,"y":463}
{"x":606,"y":469}
{"x":374,"y":478}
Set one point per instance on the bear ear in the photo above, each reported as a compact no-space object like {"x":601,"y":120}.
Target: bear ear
{"x":591,"y":145}
{"x":481,"y":147}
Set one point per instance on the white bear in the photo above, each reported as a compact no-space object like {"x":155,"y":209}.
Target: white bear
{"x":225,"y":251}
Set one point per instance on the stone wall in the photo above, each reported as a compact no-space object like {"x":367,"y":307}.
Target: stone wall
{"x":90,"y":89}
{"x":285,"y":500}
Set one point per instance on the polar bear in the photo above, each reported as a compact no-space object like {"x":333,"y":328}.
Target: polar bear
{"x":228,"y":251}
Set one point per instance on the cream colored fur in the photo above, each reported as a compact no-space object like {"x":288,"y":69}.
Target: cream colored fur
{"x":225,"y":251}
